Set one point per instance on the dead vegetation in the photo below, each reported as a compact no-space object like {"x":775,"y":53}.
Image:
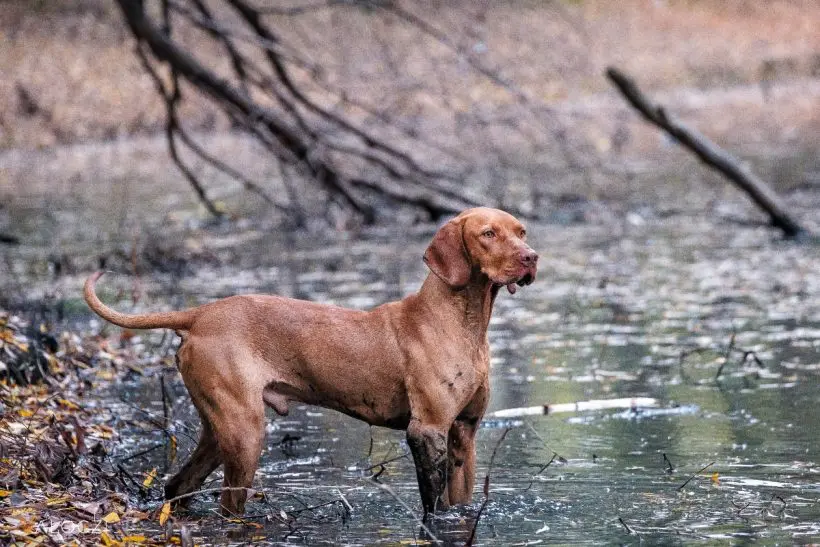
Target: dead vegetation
{"x":58,"y":481}
{"x":504,"y":97}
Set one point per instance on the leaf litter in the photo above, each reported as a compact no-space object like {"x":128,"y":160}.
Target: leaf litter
{"x":59,"y":484}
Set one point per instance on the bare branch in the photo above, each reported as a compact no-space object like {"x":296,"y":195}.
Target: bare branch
{"x":170,"y":98}
{"x":710,"y":154}
{"x":293,"y":147}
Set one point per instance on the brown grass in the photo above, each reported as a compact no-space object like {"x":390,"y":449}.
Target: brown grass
{"x":74,"y":58}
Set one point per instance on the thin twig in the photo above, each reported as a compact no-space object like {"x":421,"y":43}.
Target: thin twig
{"x":141,"y":452}
{"x":471,"y":539}
{"x":669,"y":467}
{"x":629,"y":529}
{"x":211,"y":491}
{"x":702,"y":469}
{"x":541,"y":470}
{"x":385,"y":462}
{"x":410,"y":511}
{"x":726,"y":355}
{"x":171,"y":125}
{"x":344,"y":500}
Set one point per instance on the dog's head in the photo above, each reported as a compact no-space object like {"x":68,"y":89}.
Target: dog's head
{"x":482,"y":241}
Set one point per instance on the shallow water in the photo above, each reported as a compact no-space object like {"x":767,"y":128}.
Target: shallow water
{"x":646,"y":308}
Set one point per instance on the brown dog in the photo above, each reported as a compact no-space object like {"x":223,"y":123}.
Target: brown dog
{"x":420,"y":364}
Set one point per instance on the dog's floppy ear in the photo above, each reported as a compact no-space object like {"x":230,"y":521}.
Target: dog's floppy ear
{"x":446,"y":256}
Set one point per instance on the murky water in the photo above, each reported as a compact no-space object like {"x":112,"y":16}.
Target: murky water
{"x":654,"y":308}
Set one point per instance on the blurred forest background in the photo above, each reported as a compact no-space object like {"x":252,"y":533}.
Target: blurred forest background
{"x":501,"y":103}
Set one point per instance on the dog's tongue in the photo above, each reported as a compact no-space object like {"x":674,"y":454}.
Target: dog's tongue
{"x":511,"y":287}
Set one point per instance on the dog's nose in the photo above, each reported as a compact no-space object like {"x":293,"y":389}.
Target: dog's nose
{"x":529,"y":257}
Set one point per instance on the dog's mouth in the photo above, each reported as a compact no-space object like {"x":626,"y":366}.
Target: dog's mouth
{"x":526,"y":279}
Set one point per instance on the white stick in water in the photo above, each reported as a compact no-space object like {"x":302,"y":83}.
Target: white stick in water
{"x":579,"y":406}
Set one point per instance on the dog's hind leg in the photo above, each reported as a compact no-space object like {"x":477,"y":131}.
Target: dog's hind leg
{"x":204,"y":460}
{"x":240,"y":438}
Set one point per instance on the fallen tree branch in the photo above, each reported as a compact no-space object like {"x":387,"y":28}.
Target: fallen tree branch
{"x":349,"y":163}
{"x":578,"y":406}
{"x":710,"y":154}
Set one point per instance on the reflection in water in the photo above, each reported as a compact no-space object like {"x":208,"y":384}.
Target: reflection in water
{"x":648,"y":315}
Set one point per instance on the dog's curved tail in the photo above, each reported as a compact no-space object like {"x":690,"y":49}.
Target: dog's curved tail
{"x":177,"y":320}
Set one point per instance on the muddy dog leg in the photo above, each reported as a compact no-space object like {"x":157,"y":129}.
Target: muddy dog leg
{"x":428,"y":445}
{"x":240,"y":438}
{"x":461,"y":461}
{"x":203,"y":461}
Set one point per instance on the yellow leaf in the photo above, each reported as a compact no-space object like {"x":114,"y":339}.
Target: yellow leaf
{"x":105,"y":539}
{"x":22,"y":346}
{"x":149,"y":477}
{"x":105,"y":374}
{"x":54,"y":363}
{"x":164,"y":514}
{"x":715,"y":479}
{"x":134,"y":539}
{"x":68,"y":404}
{"x":25,"y":413}
{"x":57,"y":501}
{"x":172,"y":451}
{"x":111,"y":518}
{"x":5,"y":493}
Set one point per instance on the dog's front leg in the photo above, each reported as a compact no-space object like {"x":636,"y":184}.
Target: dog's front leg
{"x":461,"y":461}
{"x":428,"y":445}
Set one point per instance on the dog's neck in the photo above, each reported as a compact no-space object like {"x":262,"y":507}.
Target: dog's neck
{"x":472,"y":305}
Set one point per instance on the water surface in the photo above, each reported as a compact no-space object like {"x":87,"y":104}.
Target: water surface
{"x":652,"y":308}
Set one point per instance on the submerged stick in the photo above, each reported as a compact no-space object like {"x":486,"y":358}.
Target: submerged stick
{"x":579,"y":406}
{"x":710,"y":154}
{"x":631,"y":531}
{"x":669,"y":467}
{"x":746,"y":354}
{"x":409,"y":510}
{"x":541,"y":470}
{"x":702,"y":469}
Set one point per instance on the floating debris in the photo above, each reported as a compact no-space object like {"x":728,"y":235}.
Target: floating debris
{"x":579,"y":406}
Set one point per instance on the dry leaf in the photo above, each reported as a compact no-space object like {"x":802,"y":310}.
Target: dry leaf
{"x":106,"y":540}
{"x":70,"y":405}
{"x":92,"y":508}
{"x":172,"y":452}
{"x":111,"y":518}
{"x":149,"y":477}
{"x":164,"y":514}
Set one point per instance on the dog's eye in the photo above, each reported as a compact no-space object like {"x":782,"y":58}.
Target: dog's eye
{"x":488,"y":234}
{"x":523,"y":234}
